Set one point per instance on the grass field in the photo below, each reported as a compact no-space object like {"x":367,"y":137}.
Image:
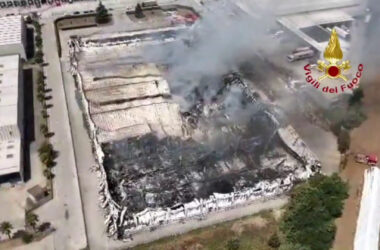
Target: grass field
{"x":252,"y":232}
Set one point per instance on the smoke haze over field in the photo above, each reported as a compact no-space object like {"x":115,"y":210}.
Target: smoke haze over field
{"x":371,"y":55}
{"x":224,"y":37}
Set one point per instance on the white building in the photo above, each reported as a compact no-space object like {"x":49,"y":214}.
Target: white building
{"x":368,"y":223}
{"x":11,"y":117}
{"x":12,"y":36}
{"x":34,"y":3}
{"x":315,"y":27}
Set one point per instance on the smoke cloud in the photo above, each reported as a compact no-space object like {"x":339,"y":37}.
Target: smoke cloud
{"x":218,"y":43}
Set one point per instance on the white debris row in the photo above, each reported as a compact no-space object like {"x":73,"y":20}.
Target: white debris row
{"x":216,"y":202}
{"x":97,"y":40}
{"x":117,"y":216}
{"x":294,"y":143}
{"x":368,"y":224}
{"x":112,"y":209}
{"x":127,"y":34}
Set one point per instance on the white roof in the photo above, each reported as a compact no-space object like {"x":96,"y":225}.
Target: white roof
{"x":10,"y":152}
{"x":10,"y":142}
{"x":10,"y":30}
{"x":9,"y":76}
{"x":368,"y":224}
{"x":297,"y":22}
{"x":281,"y":7}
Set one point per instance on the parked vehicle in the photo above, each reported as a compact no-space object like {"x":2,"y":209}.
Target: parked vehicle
{"x":300,"y":49}
{"x":300,"y":55}
{"x":370,"y":160}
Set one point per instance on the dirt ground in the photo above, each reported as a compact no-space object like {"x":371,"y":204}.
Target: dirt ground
{"x":252,"y":231}
{"x":365,"y":139}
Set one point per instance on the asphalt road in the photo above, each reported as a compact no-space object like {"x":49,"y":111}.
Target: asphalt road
{"x":65,"y":210}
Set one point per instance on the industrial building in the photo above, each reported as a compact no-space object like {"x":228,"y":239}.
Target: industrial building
{"x":11,"y":118}
{"x":33,"y":3}
{"x":315,"y":27}
{"x":368,"y":223}
{"x":12,"y":36}
{"x":158,"y":163}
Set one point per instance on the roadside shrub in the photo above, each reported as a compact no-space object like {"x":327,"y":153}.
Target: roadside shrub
{"x":39,"y":57}
{"x":233,"y":244}
{"x":27,"y":238}
{"x":274,"y":241}
{"x":19,"y":234}
{"x":138,"y":11}
{"x":308,"y":221}
{"x":101,"y":16}
{"x":344,"y":141}
{"x":44,"y":226}
{"x":356,"y":97}
{"x":354,"y":117}
{"x":28,"y":19}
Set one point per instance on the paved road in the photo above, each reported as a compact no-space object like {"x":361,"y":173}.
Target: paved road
{"x":65,"y":210}
{"x":365,"y":139}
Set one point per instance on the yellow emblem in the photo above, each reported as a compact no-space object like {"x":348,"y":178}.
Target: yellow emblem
{"x":333,"y":54}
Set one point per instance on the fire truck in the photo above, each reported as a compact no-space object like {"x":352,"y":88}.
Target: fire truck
{"x":370,"y":160}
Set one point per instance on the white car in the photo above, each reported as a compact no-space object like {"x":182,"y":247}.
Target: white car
{"x":295,"y":85}
{"x":277,"y":34}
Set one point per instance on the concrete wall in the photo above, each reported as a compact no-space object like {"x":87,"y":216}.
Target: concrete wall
{"x":33,"y":3}
{"x":21,"y":116}
{"x":12,"y":49}
{"x":368,"y":224}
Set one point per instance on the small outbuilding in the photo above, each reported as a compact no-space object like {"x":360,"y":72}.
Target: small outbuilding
{"x":37,"y":193}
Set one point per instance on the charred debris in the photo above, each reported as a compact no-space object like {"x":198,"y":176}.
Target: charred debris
{"x":154,"y":172}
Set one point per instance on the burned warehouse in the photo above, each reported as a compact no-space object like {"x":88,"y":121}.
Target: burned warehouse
{"x":165,"y":154}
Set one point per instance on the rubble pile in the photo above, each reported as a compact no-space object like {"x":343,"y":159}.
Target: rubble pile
{"x":136,"y":38}
{"x":156,"y":168}
{"x":149,"y":172}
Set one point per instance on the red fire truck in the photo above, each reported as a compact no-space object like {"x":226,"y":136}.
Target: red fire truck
{"x":370,"y":160}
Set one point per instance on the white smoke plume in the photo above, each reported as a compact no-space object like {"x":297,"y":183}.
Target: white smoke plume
{"x":223,"y":38}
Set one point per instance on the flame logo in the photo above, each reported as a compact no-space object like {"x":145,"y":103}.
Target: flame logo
{"x":333,"y":54}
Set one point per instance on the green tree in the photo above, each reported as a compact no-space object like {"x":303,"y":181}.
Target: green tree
{"x":38,"y":41}
{"x":40,"y":78}
{"x":40,"y":97}
{"x":41,"y":88}
{"x":233,"y":244}
{"x":290,"y":246}
{"x":6,"y":228}
{"x":44,"y":114}
{"x":101,"y":14}
{"x":32,"y":220}
{"x":356,"y":97}
{"x":309,"y":217}
{"x":28,"y":19}
{"x":39,"y":57}
{"x":44,"y":129}
{"x":334,"y":192}
{"x":47,"y":154}
{"x":27,"y":238}
{"x":37,"y":27}
{"x":48,"y":174}
{"x":354,"y":117}
{"x":139,"y":11}
{"x":343,"y":141}
{"x":274,"y":241}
